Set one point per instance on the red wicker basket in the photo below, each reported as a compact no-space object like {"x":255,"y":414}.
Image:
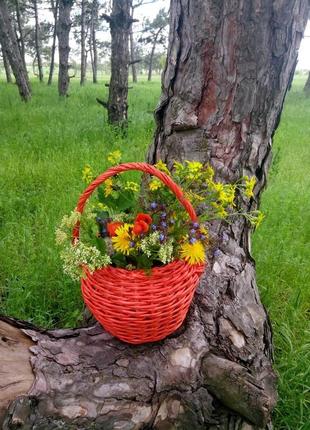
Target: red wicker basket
{"x":134,"y":306}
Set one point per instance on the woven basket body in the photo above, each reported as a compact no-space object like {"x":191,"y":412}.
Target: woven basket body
{"x":136,"y":306}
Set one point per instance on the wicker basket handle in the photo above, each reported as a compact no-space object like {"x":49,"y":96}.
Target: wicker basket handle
{"x":143,"y":167}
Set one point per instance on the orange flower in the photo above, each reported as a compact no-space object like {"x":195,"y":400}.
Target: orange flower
{"x":113,"y":226}
{"x":140,"y":227}
{"x":144,"y":217}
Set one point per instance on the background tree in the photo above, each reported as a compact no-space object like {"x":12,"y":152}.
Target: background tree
{"x":20,"y":10}
{"x":12,"y":52}
{"x":6,"y":66}
{"x":154,"y":35}
{"x":54,"y":5}
{"x":120,"y":22}
{"x":38,"y":45}
{"x":63,"y":31}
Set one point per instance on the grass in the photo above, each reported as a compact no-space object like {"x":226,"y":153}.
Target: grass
{"x":44,"y":146}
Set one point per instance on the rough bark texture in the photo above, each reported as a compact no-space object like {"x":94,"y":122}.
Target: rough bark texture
{"x":120,"y":23}
{"x":54,"y":7}
{"x":10,"y":47}
{"x":223,"y":91}
{"x":38,"y":41}
{"x":6,"y":66}
{"x":307,"y":86}
{"x":63,"y":31}
{"x":83,"y":41}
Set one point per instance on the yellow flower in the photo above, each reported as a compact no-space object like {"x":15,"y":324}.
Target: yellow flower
{"x":178,"y":167}
{"x":131,"y":186}
{"x":162,"y":167}
{"x":194,"y":169}
{"x":193,"y":253}
{"x":208,"y":172}
{"x":227,"y":195}
{"x":114,"y":157}
{"x":249,"y":186}
{"x":108,"y":187}
{"x":155,"y":184}
{"x":101,"y":206}
{"x":257,"y":219}
{"x":220,"y":210}
{"x":122,"y":239}
{"x":87,"y":174}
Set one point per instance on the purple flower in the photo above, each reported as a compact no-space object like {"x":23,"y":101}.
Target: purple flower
{"x":192,"y":231}
{"x":163,"y":224}
{"x":163,"y":215}
{"x":132,"y":244}
{"x":161,"y":237}
{"x":154,"y":227}
{"x":202,"y":237}
{"x":153,"y":205}
{"x":195,"y":225}
{"x":217,"y":253}
{"x":192,"y":240}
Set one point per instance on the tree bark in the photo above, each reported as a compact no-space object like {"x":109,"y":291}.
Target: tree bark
{"x":38,"y":41}
{"x":83,"y":41}
{"x":307,"y":86}
{"x":55,"y":8}
{"x":6,"y":66}
{"x":223,"y":91}
{"x":63,"y":31}
{"x":10,"y":47}
{"x":21,"y":32}
{"x":120,"y":23}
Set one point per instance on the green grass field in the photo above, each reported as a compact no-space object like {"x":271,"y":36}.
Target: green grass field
{"x":44,"y":146}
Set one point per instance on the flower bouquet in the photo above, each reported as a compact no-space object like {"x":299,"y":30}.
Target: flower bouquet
{"x":143,"y":247}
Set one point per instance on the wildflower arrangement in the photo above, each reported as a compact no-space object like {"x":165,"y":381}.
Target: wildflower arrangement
{"x":134,"y":224}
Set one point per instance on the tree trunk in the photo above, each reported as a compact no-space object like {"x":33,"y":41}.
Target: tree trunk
{"x":307,"y":86}
{"x":120,"y":23}
{"x":93,"y":45}
{"x":83,"y":40}
{"x":38,"y":41}
{"x":6,"y":66}
{"x":10,"y":47}
{"x":55,"y":7}
{"x":222,"y":97}
{"x":63,"y":31}
{"x":21,"y":33}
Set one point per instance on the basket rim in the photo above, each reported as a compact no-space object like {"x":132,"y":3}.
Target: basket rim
{"x":86,"y":270}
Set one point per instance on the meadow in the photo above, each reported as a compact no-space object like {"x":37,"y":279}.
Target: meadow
{"x":44,"y":147}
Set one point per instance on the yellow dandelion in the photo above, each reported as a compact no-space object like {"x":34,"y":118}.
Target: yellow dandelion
{"x":193,"y":253}
{"x":122,"y":239}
